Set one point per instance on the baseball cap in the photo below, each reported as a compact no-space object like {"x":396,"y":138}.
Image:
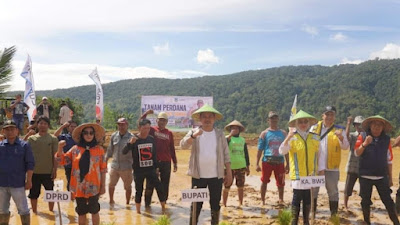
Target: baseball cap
{"x":272,"y":114}
{"x":44,"y":98}
{"x":122,"y":120}
{"x":162,"y":115}
{"x":9,"y":123}
{"x":358,"y":119}
{"x":330,"y":108}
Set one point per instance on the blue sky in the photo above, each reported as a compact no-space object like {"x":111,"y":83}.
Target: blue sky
{"x":182,"y":38}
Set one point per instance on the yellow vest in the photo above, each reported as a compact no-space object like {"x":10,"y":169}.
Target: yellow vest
{"x":334,"y":150}
{"x":303,"y":156}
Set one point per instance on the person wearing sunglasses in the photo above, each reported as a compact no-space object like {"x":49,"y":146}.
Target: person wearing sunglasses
{"x":86,"y":184}
{"x":303,"y":148}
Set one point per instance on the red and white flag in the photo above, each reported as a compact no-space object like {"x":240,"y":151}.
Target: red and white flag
{"x":99,"y":94}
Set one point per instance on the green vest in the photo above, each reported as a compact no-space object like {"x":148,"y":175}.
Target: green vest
{"x":236,"y":152}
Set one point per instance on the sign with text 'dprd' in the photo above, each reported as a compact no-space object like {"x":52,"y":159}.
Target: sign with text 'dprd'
{"x":57,"y":196}
{"x":195,"y":195}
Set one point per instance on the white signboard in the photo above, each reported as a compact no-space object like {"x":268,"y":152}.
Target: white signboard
{"x":312,"y":181}
{"x":178,"y":108}
{"x":58,"y":185}
{"x":195,"y":195}
{"x":57,"y":196}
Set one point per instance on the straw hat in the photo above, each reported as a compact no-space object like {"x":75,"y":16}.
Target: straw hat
{"x":302,"y":115}
{"x":387,"y":126}
{"x":235,"y":123}
{"x":98,"y":130}
{"x":206,"y":108}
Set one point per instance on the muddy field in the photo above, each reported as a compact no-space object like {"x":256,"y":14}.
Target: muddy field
{"x":252,"y":212}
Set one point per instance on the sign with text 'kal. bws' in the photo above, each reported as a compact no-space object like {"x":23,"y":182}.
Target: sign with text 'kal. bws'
{"x":195,"y":195}
{"x":312,"y":181}
{"x":57,"y":196}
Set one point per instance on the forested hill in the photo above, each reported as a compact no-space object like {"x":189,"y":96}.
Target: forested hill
{"x":365,"y":89}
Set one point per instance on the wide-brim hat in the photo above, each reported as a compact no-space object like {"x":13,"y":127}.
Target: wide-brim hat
{"x":302,"y":115}
{"x":387,"y":126}
{"x":235,"y":123}
{"x":98,"y":130}
{"x":206,"y":108}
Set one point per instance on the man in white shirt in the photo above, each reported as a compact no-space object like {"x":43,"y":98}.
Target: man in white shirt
{"x":333,"y":139}
{"x":65,"y":113}
{"x":209,"y":163}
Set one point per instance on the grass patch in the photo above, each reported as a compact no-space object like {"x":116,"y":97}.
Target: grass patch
{"x":285,"y":217}
{"x":335,"y":219}
{"x":163,"y":220}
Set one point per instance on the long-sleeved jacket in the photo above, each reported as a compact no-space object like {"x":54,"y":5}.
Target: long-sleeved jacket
{"x":222,"y":153}
{"x":114,"y":151}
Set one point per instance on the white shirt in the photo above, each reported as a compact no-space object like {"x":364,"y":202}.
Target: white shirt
{"x":208,"y":155}
{"x":65,"y":114}
{"x":323,"y":149}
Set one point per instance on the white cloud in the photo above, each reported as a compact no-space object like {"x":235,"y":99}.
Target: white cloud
{"x":55,"y":76}
{"x":207,"y":57}
{"x":161,"y":49}
{"x":339,"y":37}
{"x":390,"y":51}
{"x":348,"y":61}
{"x":360,"y":28}
{"x":309,"y":29}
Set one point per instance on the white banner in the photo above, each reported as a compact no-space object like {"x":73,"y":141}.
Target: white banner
{"x":99,"y":94}
{"x":195,"y":195}
{"x":29,"y":95}
{"x":178,"y":108}
{"x":57,"y":196}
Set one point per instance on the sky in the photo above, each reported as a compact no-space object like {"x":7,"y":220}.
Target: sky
{"x":67,"y":40}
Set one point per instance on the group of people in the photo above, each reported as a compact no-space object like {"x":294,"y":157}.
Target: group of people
{"x":310,"y":148}
{"x":18,"y":109}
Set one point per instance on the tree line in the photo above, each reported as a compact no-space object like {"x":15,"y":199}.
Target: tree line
{"x":366,"y":89}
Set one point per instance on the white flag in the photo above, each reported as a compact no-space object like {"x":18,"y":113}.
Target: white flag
{"x":293,"y":111}
{"x":99,"y":94}
{"x":29,"y":95}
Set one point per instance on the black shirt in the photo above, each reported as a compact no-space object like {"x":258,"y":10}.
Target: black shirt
{"x":143,"y":154}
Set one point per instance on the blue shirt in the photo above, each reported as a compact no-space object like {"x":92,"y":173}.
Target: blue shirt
{"x":270,"y":145}
{"x":15,"y":160}
{"x":70,"y":143}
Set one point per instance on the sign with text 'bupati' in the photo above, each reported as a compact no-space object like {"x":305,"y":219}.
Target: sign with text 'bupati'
{"x":312,"y":181}
{"x":57,"y":196}
{"x":195,"y":195}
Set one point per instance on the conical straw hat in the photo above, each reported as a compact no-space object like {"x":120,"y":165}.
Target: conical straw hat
{"x":206,"y":108}
{"x":302,"y":115}
{"x":235,"y":123}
